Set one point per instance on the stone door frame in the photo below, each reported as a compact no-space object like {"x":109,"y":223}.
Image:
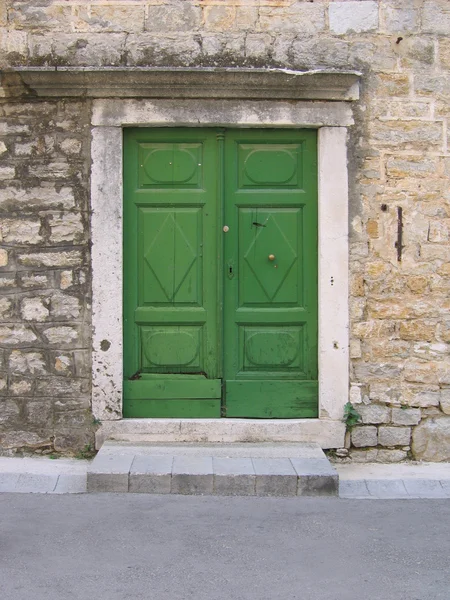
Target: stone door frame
{"x":331,"y":119}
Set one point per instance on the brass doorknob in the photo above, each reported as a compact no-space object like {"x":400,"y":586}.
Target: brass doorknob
{"x":271,"y":256}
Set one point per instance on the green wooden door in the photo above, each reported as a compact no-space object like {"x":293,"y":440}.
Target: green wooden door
{"x":270,"y":319}
{"x":220,"y":273}
{"x":171,"y":306}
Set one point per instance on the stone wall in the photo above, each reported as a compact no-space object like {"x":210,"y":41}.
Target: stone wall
{"x":400,"y":319}
{"x":44,"y":279}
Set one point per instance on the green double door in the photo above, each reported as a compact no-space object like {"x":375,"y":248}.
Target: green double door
{"x":220,"y":273}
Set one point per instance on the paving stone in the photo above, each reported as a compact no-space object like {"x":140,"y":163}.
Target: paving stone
{"x":109,"y":473}
{"x":192,"y":475}
{"x":35,"y":483}
{"x":353,"y":489}
{"x":315,"y":477}
{"x":234,"y":477}
{"x":424,"y":488}
{"x":445,"y":483}
{"x":8,"y":482}
{"x":71,"y":484}
{"x":275,"y":477}
{"x":387,"y":488}
{"x":151,"y":474}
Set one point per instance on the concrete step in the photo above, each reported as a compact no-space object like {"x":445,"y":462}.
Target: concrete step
{"x":265,"y":469}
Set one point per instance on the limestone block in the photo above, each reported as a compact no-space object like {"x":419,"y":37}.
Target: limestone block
{"x":70,"y":258}
{"x":430,"y":350}
{"x":355,"y":349}
{"x":53,"y":170}
{"x":176,"y":16}
{"x":27,"y":363}
{"x":445,"y":400}
{"x":47,"y":15}
{"x":20,"y":387}
{"x":89,"y":49}
{"x":299,"y":17}
{"x":257,"y":44}
{"x":391,"y":456}
{"x":34,"y":309}
{"x":364,"y":456}
{"x":61,"y":336}
{"x":353,"y":17}
{"x":355,"y":394}
{"x":407,"y":133}
{"x":313,"y":53}
{"x":13,"y":42}
{"x":418,"y":330}
{"x":109,"y":18}
{"x":444,"y":53}
{"x":22,"y":232}
{"x":406,"y":416}
{"x":422,"y":399}
{"x":411,"y":166}
{"x":436,"y":17}
{"x":422,"y":372}
{"x":219,"y":18}
{"x":373,"y":414}
{"x":63,"y":306}
{"x":364,"y":436}
{"x":428,"y":84}
{"x":71,"y":146}
{"x":9,"y":412}
{"x":374,"y":328}
{"x":7,"y":172}
{"x":400,"y":20}
{"x":384,"y":392}
{"x":408,"y":308}
{"x":394,"y":436}
{"x":3,"y":258}
{"x":415,"y":51}
{"x":44,"y":197}
{"x":431,"y":440}
{"x":3,"y":148}
{"x":6,"y":308}
{"x":66,"y":228}
{"x":392,"y":84}
{"x":3,"y":15}
{"x":147,"y":49}
{"x":15,"y":335}
{"x":379,"y":370}
{"x":60,"y":386}
{"x":33,"y":280}
{"x":66,"y":279}
{"x":246,"y":17}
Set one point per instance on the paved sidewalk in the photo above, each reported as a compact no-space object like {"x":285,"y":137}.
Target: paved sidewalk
{"x":359,"y":481}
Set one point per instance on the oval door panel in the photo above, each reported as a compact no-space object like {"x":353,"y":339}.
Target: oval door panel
{"x":166,"y":348}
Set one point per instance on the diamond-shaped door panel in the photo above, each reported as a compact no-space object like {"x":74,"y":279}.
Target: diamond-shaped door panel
{"x":269,"y":247}
{"x":170,"y":253}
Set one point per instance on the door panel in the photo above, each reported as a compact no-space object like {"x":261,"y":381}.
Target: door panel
{"x":206,"y":306}
{"x":270,"y":317}
{"x":171,"y":316}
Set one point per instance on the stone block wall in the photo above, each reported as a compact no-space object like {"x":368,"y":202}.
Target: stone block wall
{"x":45,"y":368}
{"x":398,"y":158}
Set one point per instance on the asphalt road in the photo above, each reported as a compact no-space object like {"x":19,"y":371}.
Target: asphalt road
{"x":130,"y":546}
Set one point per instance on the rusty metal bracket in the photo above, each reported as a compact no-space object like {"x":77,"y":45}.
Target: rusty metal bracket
{"x":399,"y":243}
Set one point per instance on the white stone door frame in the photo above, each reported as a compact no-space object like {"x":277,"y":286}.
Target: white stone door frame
{"x":331,"y":119}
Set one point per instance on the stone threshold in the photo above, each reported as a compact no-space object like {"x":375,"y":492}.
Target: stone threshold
{"x":326,"y":433}
{"x":213,"y":469}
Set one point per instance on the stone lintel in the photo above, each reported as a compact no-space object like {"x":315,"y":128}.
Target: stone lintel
{"x":201,"y":82}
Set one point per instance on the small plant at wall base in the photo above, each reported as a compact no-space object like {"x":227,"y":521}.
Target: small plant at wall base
{"x":351,"y":416}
